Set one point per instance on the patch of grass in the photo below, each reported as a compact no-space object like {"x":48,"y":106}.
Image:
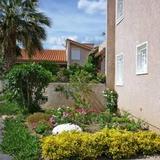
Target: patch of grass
{"x":7,"y":108}
{"x":18,"y":141}
{"x":2,"y":97}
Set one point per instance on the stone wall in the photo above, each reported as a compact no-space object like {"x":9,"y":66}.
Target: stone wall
{"x":58,"y":99}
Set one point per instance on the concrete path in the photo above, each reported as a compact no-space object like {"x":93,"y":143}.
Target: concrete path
{"x":149,"y":158}
{"x":3,"y":156}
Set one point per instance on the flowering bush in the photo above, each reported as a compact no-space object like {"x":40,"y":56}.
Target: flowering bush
{"x":42,"y":127}
{"x":88,"y":119}
{"x":110,"y":144}
{"x":111,"y":97}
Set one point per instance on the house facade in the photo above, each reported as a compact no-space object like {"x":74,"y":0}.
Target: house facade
{"x":77,"y":52}
{"x":134,"y":46}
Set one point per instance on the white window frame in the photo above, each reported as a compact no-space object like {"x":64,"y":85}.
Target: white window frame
{"x":118,"y":83}
{"x":73,"y":54}
{"x":139,"y":72}
{"x":119,"y":19}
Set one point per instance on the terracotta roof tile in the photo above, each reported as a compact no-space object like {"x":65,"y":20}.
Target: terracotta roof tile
{"x":45,"y":55}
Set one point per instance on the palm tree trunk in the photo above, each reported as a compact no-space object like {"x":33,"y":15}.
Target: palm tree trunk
{"x":10,"y":53}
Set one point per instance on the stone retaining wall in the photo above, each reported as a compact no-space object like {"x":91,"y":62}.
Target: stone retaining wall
{"x":58,"y":99}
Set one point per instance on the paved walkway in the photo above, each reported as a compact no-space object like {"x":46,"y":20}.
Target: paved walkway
{"x":3,"y":156}
{"x":149,"y":158}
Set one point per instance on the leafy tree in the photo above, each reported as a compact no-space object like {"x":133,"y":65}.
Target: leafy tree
{"x":26,"y":83}
{"x":21,"y":24}
{"x":50,"y":66}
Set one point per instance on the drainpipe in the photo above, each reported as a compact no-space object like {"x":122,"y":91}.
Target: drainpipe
{"x":110,"y":50}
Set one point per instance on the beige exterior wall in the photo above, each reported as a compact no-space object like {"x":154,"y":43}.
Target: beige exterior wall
{"x":103,"y":65}
{"x":83,"y":54}
{"x":140,"y":94}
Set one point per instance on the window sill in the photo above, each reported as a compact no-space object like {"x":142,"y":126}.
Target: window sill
{"x":119,"y":84}
{"x":118,"y":21}
{"x":141,"y":73}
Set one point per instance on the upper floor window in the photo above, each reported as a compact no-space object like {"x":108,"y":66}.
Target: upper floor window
{"x":119,"y":10}
{"x":75,"y":54}
{"x":142,"y":58}
{"x":119,"y":69}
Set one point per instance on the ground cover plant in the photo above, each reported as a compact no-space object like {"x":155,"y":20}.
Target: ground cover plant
{"x":7,"y":108}
{"x":18,"y":141}
{"x":91,"y":121}
{"x":40,"y":123}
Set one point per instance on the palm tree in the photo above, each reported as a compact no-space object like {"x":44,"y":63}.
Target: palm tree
{"x":21,"y":25}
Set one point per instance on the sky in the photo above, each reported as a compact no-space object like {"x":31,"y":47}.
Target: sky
{"x":79,"y":20}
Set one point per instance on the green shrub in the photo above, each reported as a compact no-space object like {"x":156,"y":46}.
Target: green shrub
{"x":50,"y":66}
{"x":63,"y":75}
{"x":124,"y":121}
{"x":42,"y":127}
{"x":18,"y":142}
{"x":8,"y":108}
{"x":26,"y":83}
{"x":73,"y":68}
{"x":80,"y":89}
{"x":90,"y":66}
{"x":111,"y":97}
{"x":101,"y":77}
{"x":110,"y":144}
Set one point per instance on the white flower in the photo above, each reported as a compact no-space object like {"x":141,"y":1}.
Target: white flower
{"x":66,"y":127}
{"x":59,"y":109}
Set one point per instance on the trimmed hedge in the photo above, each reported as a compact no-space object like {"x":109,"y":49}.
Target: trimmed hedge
{"x":114,"y":144}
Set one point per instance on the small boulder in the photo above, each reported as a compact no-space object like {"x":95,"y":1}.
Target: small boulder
{"x":66,"y":128}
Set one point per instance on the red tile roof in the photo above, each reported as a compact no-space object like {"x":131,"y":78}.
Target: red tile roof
{"x":58,"y":56}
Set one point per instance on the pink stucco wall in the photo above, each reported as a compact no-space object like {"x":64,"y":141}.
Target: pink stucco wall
{"x":140,"y":94}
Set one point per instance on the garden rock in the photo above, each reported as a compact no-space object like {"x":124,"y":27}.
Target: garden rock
{"x":66,"y":128}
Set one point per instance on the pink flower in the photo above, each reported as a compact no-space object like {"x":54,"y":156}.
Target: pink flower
{"x":81,"y":110}
{"x":52,"y":121}
{"x":92,"y":111}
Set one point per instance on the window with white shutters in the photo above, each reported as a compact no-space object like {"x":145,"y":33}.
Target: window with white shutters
{"x":119,"y":69}
{"x":142,"y":58}
{"x":119,"y":10}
